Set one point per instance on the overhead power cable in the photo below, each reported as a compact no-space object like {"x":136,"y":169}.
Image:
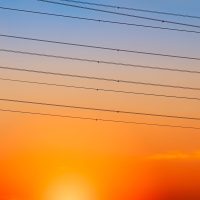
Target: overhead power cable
{"x":99,"y":20}
{"x":133,"y":9}
{"x":101,"y":78}
{"x":121,"y":14}
{"x":98,"y":119}
{"x":98,"y":47}
{"x":100,"y":109}
{"x":99,"y":61}
{"x":99,"y":89}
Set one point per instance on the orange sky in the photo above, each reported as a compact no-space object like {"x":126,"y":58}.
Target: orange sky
{"x":138,"y":166}
{"x":45,"y":158}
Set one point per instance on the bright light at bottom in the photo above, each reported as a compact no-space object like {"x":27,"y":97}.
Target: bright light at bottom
{"x":73,"y":189}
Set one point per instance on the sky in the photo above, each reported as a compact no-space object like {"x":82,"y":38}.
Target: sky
{"x":52,"y":158}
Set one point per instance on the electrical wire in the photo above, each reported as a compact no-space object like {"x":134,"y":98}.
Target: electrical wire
{"x":98,"y":47}
{"x":100,"y":89}
{"x":98,"y":119}
{"x":121,"y":14}
{"x":100,"y":78}
{"x":99,"y":20}
{"x":100,"y":109}
{"x":99,"y":61}
{"x":133,"y":9}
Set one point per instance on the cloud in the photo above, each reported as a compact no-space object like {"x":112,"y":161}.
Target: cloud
{"x":176,"y":156}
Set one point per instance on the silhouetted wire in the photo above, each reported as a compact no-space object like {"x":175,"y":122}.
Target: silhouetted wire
{"x":121,"y":14}
{"x":100,"y":89}
{"x":98,"y":47}
{"x":99,"y":109}
{"x":100,"y":78}
{"x":99,"y":20}
{"x":99,"y":61}
{"x":133,"y":9}
{"x":98,"y":119}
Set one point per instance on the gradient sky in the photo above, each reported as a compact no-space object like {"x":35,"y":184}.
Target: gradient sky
{"x":44,"y":157}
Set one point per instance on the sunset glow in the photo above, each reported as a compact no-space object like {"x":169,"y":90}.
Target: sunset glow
{"x":98,"y":105}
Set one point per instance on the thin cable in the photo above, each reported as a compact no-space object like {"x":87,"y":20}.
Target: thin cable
{"x":122,"y":14}
{"x":99,"y":20}
{"x":99,"y":61}
{"x":99,"y":89}
{"x":100,"y":109}
{"x":98,"y":47}
{"x":133,"y":9}
{"x":100,"y":78}
{"x":98,"y":119}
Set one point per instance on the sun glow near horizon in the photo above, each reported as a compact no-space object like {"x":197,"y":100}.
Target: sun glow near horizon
{"x":73,"y":188}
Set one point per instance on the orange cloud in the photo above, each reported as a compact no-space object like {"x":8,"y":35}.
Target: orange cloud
{"x":176,"y":156}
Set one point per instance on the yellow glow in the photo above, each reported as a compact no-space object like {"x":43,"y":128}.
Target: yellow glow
{"x":70,"y":189}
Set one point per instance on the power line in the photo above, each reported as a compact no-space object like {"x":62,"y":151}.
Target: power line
{"x":133,"y":9}
{"x":98,"y":47}
{"x":121,"y":14}
{"x":99,"y":20}
{"x":98,"y":119}
{"x":100,"y":78}
{"x":99,"y":61}
{"x":100,"y":109}
{"x":100,"y":89}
